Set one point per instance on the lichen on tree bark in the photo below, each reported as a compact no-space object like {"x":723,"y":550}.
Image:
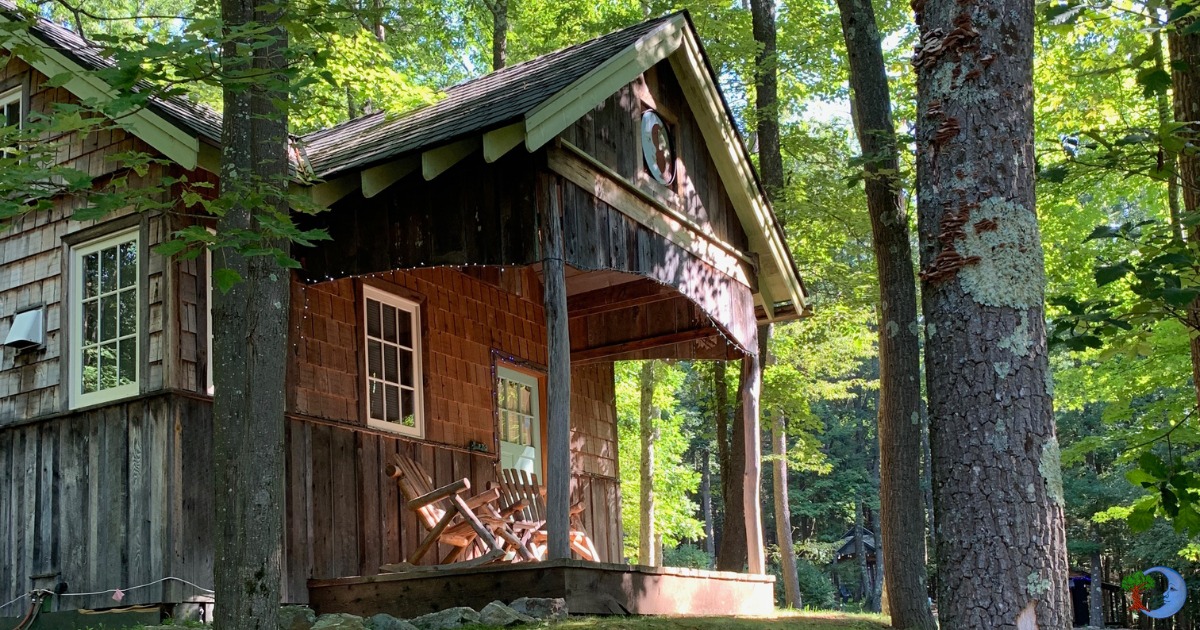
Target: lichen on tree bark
{"x":996,"y":478}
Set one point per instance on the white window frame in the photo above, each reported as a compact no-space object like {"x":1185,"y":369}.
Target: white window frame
{"x":414,"y":310}
{"x":77,"y":396}
{"x":509,"y":373}
{"x":15,"y":95}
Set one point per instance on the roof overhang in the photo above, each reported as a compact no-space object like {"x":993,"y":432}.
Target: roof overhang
{"x":165,"y":137}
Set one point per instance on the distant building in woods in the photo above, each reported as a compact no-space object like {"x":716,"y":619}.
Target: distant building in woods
{"x":422,"y":328}
{"x":1081,"y":593}
{"x":845,"y":562}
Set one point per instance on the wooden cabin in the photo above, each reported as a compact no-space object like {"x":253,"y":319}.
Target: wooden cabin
{"x":493,"y":254}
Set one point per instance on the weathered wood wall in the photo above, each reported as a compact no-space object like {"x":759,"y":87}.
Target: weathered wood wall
{"x":108,"y":498}
{"x":612,"y":134}
{"x":33,"y":257}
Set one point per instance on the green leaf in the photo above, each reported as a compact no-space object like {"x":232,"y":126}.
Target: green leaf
{"x":1187,"y":519}
{"x":1180,"y":297}
{"x":1153,"y":465}
{"x":1154,"y":81}
{"x":171,"y":247}
{"x":1139,"y":477}
{"x":1180,"y":11}
{"x":1110,"y":274}
{"x":1141,"y":518}
{"x":224,"y":279}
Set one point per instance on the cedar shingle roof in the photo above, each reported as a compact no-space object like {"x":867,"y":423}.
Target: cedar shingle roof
{"x":489,"y":102}
{"x":192,"y":117}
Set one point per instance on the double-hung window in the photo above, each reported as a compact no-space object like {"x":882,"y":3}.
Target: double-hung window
{"x":10,"y":117}
{"x":10,"y":108}
{"x":105,"y":298}
{"x":392,"y":340}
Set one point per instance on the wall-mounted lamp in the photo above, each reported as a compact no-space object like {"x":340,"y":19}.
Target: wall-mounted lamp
{"x":28,"y":330}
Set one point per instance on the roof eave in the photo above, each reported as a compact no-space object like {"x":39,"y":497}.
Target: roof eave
{"x":177,"y":144}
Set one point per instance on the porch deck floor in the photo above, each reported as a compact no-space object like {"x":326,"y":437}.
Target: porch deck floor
{"x":590,"y":588}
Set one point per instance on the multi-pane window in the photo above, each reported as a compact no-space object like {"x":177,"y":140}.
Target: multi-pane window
{"x":393,"y":358}
{"x":518,"y":419}
{"x":105,"y":309}
{"x":515,"y":404}
{"x":10,"y":118}
{"x":10,"y":108}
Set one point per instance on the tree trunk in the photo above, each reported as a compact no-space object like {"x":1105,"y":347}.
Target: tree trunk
{"x":996,"y":463}
{"x":902,"y":539}
{"x":783,"y":513}
{"x":766,"y":97}
{"x":1162,"y":105}
{"x":499,"y":10}
{"x":377,"y":21}
{"x":1185,"y":79}
{"x":732,"y":552}
{"x":878,"y":576}
{"x":710,"y":543}
{"x":646,"y":538}
{"x":1096,"y":591}
{"x":251,"y":321}
{"x":860,"y":553}
{"x":927,"y":478}
{"x":770,"y":164}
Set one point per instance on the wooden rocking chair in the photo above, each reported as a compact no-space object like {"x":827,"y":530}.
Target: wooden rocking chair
{"x":525,"y":499}
{"x":454,"y":520}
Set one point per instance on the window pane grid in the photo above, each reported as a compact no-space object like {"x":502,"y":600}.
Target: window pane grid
{"x":515,"y":403}
{"x":107,"y":348}
{"x":392,"y":368}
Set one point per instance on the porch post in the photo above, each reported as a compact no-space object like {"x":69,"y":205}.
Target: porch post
{"x":752,"y":481}
{"x":558,"y":373}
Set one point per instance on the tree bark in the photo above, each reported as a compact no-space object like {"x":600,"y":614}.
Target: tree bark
{"x":766,"y":97}
{"x":251,"y":324}
{"x":499,"y":11}
{"x":706,"y":507}
{"x":902,"y":539}
{"x":860,"y":552}
{"x":1096,"y":590}
{"x":1185,"y":79}
{"x":732,"y":553}
{"x":646,"y":546}
{"x":997,"y":477}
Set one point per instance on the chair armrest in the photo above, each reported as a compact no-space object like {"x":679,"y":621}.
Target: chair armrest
{"x":484,"y":497}
{"x":514,"y":508}
{"x":449,"y":489}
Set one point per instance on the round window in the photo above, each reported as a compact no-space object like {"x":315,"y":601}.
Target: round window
{"x":657,"y":148}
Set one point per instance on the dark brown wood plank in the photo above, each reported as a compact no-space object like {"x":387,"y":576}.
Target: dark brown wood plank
{"x":370,"y":476}
{"x":322,"y":500}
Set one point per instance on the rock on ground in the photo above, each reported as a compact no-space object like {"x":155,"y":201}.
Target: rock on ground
{"x":384,"y":621}
{"x":497,"y":614}
{"x":296,"y":618}
{"x":340,"y":621}
{"x":448,"y":619}
{"x":553,"y":609}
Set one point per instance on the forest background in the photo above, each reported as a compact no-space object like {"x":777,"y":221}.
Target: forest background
{"x":1123,"y":389}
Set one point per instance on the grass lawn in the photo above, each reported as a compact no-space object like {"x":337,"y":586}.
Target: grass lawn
{"x":788,"y":620}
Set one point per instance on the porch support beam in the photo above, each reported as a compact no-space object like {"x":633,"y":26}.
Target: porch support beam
{"x":558,"y":373}
{"x":752,"y":480}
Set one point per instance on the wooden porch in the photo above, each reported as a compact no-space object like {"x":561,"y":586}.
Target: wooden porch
{"x":589,"y":589}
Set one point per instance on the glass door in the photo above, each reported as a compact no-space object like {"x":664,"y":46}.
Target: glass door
{"x":519,"y":419}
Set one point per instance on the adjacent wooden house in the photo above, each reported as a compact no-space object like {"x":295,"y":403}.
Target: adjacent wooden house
{"x":492,"y":255}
